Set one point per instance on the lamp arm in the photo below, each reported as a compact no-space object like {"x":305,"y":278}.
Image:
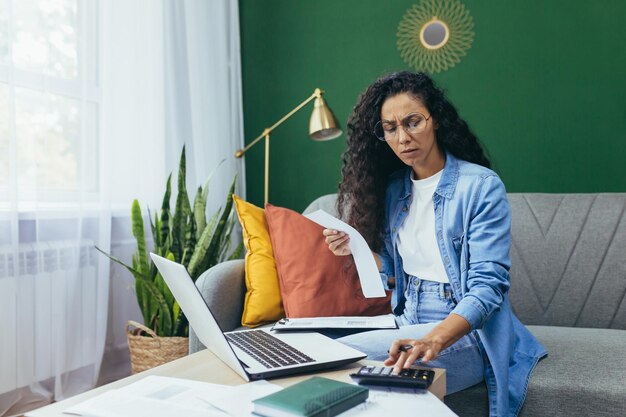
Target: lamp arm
{"x":267,"y":131}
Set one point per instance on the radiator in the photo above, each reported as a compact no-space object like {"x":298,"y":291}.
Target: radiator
{"x":48,"y":311}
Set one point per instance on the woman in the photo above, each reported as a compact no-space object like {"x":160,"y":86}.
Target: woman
{"x":417,"y":184}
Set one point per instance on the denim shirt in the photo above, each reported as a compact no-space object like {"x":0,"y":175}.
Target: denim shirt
{"x":472,"y":225}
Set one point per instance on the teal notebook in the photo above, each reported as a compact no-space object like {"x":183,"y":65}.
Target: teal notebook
{"x":315,"y":397}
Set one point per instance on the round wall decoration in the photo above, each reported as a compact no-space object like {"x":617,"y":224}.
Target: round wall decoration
{"x":434,"y":34}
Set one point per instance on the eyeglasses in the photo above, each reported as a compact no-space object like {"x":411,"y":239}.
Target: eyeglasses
{"x":412,"y":124}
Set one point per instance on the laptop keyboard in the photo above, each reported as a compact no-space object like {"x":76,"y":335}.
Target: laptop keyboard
{"x":267,"y":349}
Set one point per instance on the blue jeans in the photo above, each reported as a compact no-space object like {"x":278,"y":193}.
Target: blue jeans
{"x":427,"y":303}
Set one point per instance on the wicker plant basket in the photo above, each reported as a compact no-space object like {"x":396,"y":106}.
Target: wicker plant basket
{"x":149,"y":351}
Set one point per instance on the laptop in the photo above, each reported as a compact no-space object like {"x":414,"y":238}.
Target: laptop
{"x":257,"y":353}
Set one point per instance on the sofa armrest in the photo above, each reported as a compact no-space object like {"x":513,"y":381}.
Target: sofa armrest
{"x":223,"y":288}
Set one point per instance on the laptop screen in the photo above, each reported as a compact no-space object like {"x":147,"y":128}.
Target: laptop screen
{"x":197,"y":312}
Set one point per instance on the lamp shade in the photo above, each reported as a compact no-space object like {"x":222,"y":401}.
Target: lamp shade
{"x":323,"y":124}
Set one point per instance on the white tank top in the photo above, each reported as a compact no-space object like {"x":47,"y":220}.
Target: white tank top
{"x":417,"y":241}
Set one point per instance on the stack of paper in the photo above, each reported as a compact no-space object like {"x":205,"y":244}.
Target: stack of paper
{"x":157,"y":396}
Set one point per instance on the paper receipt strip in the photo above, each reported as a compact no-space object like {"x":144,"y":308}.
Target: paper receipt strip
{"x":369,"y":276}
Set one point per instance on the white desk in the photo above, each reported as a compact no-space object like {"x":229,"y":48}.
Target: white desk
{"x":204,"y":366}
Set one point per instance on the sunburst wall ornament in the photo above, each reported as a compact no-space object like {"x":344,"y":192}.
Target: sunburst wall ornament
{"x":434,"y":34}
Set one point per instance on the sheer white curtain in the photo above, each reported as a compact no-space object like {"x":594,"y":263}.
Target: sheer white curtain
{"x":53,"y":202}
{"x":96,"y":100}
{"x":193,"y":47}
{"x":203,"y":91}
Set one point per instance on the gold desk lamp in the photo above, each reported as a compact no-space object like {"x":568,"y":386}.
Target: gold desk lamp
{"x":322,"y":126}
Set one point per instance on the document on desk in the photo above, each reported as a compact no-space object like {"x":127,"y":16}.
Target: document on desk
{"x":237,"y":401}
{"x":153,"y":396}
{"x":158,"y":396}
{"x":386,"y":321}
{"x":369,"y":276}
{"x":384,"y":401}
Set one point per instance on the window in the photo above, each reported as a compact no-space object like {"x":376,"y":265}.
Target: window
{"x":49,"y":100}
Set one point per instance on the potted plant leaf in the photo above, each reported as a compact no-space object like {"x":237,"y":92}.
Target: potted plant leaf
{"x":184,"y":236}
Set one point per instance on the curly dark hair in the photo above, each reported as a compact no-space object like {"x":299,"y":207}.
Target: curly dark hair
{"x":368,"y":162}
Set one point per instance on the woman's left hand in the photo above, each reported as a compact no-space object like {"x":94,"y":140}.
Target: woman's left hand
{"x":405,"y":352}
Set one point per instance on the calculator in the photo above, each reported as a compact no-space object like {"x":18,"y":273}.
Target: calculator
{"x":407,"y":378}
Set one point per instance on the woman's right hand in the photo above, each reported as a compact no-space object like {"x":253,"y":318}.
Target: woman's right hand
{"x":337,"y":242}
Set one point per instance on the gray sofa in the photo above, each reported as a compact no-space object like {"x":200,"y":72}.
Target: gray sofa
{"x":568,"y":285}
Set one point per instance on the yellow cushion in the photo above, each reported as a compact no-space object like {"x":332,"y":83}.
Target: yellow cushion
{"x":263,"y":303}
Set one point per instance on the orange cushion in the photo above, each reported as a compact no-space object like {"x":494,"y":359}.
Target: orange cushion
{"x":262,"y":302}
{"x":313,"y":281}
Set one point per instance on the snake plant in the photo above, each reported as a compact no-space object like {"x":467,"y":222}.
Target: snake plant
{"x":184,"y":236}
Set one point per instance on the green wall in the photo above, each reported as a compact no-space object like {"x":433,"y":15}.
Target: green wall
{"x":543,"y":87}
